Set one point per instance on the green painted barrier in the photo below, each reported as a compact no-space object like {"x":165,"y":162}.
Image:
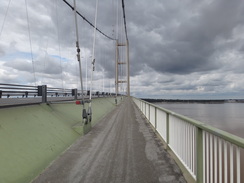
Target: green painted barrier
{"x":31,"y":137}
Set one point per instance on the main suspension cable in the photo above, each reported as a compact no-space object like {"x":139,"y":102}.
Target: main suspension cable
{"x":88,"y":21}
{"x":123,"y":7}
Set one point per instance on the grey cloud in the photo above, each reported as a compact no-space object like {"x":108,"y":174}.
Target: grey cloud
{"x":2,"y":52}
{"x":242,"y":48}
{"x":45,"y":65}
{"x":21,"y":65}
{"x":187,"y":41}
{"x":172,"y":44}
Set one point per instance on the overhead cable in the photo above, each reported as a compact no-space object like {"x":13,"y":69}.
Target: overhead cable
{"x":28,"y":24}
{"x":84,"y":18}
{"x":5,"y":17}
{"x":59,"y":47}
{"x":123,"y":7}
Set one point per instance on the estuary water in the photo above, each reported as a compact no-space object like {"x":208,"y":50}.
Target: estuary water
{"x":225,"y":116}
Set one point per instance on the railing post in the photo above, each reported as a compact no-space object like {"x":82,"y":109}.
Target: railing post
{"x":155,"y":118}
{"x":42,"y":91}
{"x":74,"y":93}
{"x":199,"y":145}
{"x":26,"y":94}
{"x":167,"y":128}
{"x":149,"y":109}
{"x":1,"y":92}
{"x":145,"y":109}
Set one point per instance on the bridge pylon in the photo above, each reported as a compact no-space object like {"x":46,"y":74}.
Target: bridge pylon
{"x":122,"y":63}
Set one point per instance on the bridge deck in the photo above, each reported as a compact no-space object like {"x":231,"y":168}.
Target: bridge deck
{"x":120,"y":148}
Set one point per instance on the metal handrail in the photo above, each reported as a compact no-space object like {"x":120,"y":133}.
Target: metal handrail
{"x":215,"y":131}
{"x":16,"y":90}
{"x":15,"y":94}
{"x":196,"y":136}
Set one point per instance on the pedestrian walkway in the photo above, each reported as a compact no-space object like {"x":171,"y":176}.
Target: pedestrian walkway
{"x":120,"y":148}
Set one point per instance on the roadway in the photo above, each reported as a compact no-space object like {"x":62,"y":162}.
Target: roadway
{"x":120,"y":148}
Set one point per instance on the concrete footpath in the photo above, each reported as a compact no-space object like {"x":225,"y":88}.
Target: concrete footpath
{"x":120,"y":148}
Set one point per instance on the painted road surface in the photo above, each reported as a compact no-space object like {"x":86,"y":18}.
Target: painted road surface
{"x":120,"y":148}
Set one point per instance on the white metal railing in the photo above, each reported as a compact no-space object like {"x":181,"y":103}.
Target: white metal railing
{"x":182,"y":137}
{"x":161,"y":124}
{"x":222,"y":161}
{"x":208,"y":154}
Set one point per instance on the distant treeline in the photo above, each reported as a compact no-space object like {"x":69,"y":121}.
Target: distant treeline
{"x":194,"y":101}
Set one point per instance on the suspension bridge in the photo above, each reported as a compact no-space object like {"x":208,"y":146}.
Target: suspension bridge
{"x":83,"y":125}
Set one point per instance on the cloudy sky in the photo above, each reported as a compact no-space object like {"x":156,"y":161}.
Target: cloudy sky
{"x":178,"y":48}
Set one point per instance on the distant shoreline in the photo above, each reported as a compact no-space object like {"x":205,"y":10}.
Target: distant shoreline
{"x":194,"y":101}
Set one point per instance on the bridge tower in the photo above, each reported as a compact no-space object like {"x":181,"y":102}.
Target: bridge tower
{"x":122,"y":63}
